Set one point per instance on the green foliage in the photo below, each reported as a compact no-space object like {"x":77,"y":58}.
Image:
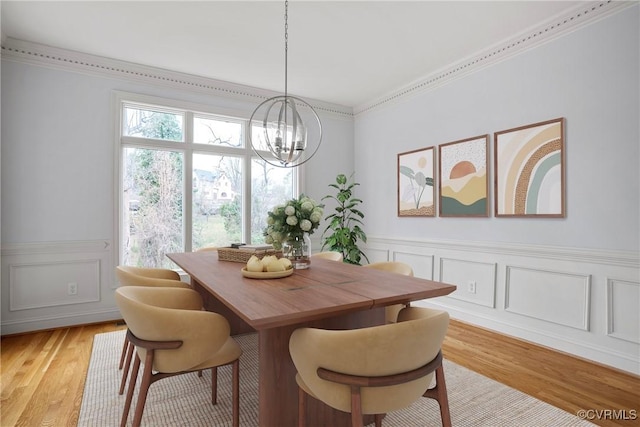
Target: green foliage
{"x":161,"y":126}
{"x":231,"y":212}
{"x":344,"y":231}
{"x":296,"y":217}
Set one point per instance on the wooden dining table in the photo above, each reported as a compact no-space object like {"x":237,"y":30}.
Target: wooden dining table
{"x":329,"y":295}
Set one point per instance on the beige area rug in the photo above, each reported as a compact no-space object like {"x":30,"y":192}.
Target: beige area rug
{"x":184,"y":400}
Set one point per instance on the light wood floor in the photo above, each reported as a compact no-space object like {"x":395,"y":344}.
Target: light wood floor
{"x":43,"y":374}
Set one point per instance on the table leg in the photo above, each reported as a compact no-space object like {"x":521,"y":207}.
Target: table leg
{"x":278,"y":391}
{"x":211,"y":303}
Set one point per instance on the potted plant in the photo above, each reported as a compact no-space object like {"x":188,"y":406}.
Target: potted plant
{"x":343,"y":231}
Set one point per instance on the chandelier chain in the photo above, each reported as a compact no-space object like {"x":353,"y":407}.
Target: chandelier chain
{"x":286,"y":42}
{"x":284,"y":130}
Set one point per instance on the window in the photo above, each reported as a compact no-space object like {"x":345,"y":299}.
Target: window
{"x":188,"y":180}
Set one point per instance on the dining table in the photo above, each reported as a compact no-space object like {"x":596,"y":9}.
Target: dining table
{"x":328,"y":294}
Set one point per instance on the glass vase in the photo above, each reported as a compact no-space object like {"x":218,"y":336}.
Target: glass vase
{"x":297,"y":248}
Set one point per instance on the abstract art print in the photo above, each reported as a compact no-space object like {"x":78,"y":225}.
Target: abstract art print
{"x":529,"y":170}
{"x":416,"y":194}
{"x":464,"y":185}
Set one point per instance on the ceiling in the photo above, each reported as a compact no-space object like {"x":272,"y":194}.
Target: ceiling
{"x":344,"y":52}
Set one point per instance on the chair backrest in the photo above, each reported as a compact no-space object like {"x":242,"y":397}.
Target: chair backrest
{"x":155,"y":277}
{"x":391,"y":311}
{"x":371,"y":352}
{"x":207,"y":249}
{"x":330,"y":255}
{"x":172,"y":314}
{"x":393,"y":267}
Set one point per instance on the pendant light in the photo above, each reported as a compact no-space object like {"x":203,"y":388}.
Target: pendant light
{"x":285,"y":131}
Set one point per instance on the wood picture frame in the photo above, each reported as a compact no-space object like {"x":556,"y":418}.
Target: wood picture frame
{"x":464,"y":177}
{"x":416,"y":189}
{"x":529,"y":170}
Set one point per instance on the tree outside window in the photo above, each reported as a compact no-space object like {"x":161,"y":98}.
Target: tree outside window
{"x":164,"y":209}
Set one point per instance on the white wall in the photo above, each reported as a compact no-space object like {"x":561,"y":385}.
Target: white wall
{"x":590,"y":77}
{"x":553,"y":281}
{"x":58,"y":137}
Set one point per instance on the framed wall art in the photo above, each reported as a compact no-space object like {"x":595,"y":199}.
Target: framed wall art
{"x":416,"y":192}
{"x":464,"y":184}
{"x":529,"y":170}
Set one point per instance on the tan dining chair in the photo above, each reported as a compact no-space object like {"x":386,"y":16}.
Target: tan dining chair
{"x":373,"y":370}
{"x":330,"y":255}
{"x":207,"y":249}
{"x":142,"y":276}
{"x":391,"y":311}
{"x":171,"y":340}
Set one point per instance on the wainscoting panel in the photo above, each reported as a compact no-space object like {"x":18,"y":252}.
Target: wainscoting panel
{"x":476,"y":281}
{"x":376,"y":255}
{"x":584,"y":302}
{"x":552,"y":296}
{"x":623,"y":310}
{"x":54,"y":283}
{"x":422,"y":265}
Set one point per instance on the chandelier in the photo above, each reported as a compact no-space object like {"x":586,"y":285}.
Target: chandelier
{"x":287,"y":131}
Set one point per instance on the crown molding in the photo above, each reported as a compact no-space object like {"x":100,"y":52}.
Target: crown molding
{"x":579,"y":17}
{"x":68,"y":60}
{"x":52,"y":57}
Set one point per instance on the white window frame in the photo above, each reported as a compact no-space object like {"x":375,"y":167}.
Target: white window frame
{"x":188,"y":148}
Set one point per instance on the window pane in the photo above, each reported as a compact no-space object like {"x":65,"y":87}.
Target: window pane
{"x":257,"y":136}
{"x":217,"y":132}
{"x":152,"y":201}
{"x":217,"y":200}
{"x":153,"y":124}
{"x":270,"y":186}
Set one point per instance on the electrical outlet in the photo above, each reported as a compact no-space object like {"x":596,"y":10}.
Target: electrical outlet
{"x":472,"y":287}
{"x":72,"y":288}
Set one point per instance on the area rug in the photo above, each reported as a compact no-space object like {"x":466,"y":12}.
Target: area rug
{"x":474,"y":400}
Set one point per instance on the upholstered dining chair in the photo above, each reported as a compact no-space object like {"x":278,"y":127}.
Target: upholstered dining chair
{"x":330,"y":255}
{"x":171,"y":340}
{"x":207,"y":249}
{"x":391,"y":311}
{"x":142,"y":276}
{"x":373,"y":370}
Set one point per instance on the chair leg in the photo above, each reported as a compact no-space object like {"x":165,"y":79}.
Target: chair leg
{"x":439,"y":393}
{"x":125,"y":347}
{"x":356,"y":407}
{"x":144,"y":388}
{"x":236,"y":393}
{"x":132,"y":385}
{"x":302,"y":407}
{"x":378,"y":419}
{"x":443,"y":399}
{"x":214,"y":385}
{"x":125,"y":372}
{"x":356,"y":419}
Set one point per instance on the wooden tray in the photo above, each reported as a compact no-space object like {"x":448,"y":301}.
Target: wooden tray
{"x":266,"y":274}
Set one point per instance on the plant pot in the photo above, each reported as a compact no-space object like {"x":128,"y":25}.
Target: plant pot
{"x":297,"y":248}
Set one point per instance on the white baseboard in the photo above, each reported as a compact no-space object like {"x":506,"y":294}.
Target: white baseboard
{"x":59,"y":321}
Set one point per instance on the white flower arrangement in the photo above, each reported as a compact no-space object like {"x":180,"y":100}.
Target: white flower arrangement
{"x":296,"y":217}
